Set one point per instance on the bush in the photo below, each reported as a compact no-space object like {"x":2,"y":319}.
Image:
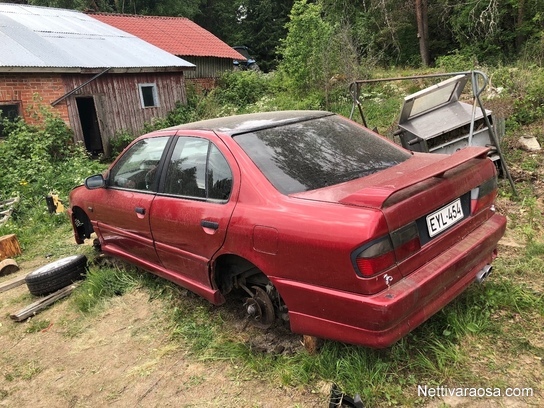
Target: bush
{"x":526,"y":87}
{"x":529,"y":108}
{"x":182,"y":113}
{"x":120,"y":141}
{"x":39,"y":159}
{"x":456,"y":62}
{"x":241,"y":88}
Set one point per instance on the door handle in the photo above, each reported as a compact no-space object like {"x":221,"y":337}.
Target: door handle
{"x":209,"y":224}
{"x":140,"y":210}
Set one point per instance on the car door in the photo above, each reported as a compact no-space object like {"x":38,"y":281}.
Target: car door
{"x":190,"y":215}
{"x":122,"y":209}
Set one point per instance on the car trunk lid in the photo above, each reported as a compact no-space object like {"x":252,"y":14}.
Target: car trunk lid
{"x":429,"y":197}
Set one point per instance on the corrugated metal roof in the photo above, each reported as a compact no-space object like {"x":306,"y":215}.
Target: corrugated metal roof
{"x":177,"y":35}
{"x":41,"y":37}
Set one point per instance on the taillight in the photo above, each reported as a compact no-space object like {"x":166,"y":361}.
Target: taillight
{"x":383,"y":253}
{"x":483,"y":196}
{"x":375,"y":257}
{"x":406,"y":241}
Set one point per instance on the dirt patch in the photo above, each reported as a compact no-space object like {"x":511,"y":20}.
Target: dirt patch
{"x":123,"y":357}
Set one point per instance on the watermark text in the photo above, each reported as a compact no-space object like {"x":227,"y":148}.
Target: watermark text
{"x":474,"y":392}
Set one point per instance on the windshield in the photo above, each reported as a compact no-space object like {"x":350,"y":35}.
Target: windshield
{"x":318,"y":153}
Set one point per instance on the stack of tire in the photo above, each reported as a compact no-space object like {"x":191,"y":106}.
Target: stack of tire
{"x":56,"y":275}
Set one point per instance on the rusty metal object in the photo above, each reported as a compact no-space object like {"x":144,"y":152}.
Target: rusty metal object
{"x":260,"y":309}
{"x":312,"y":344}
{"x":340,"y":400}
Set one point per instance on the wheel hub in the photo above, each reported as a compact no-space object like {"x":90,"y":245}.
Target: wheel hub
{"x":260,"y":309}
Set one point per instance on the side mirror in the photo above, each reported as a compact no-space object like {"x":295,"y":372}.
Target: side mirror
{"x":94,"y":182}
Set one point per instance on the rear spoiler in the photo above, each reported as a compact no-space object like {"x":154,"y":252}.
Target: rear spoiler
{"x":377,"y":196}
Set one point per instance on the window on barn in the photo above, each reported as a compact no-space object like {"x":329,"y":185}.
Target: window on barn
{"x":148,"y":95}
{"x":9,"y":111}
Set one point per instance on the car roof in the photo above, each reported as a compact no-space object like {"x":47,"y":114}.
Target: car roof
{"x":234,"y":125}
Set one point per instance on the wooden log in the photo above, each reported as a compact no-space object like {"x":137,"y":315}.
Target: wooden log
{"x":8,"y":266}
{"x":9,"y":246}
{"x":13,"y":283}
{"x":38,"y":306}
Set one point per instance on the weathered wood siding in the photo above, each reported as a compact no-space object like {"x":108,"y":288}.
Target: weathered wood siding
{"x":208,"y":67}
{"x":117,"y":100}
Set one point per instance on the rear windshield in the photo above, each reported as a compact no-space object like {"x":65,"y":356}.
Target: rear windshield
{"x":318,"y":153}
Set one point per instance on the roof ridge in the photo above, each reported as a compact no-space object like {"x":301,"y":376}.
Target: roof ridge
{"x":91,"y":13}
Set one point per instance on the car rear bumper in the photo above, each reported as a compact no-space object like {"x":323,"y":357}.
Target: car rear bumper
{"x":380,"y":320}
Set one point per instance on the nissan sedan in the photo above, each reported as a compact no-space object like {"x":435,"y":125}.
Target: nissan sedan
{"x":313,"y":217}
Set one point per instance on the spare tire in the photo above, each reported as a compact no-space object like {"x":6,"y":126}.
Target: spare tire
{"x":56,"y":275}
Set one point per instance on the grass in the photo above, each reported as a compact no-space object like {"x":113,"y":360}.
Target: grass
{"x":26,"y":371}
{"x":102,"y":283}
{"x":483,"y":331}
{"x":474,"y":341}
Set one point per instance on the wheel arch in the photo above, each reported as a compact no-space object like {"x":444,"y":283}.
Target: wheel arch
{"x":82,"y":224}
{"x":229,"y":269}
{"x":232,"y":272}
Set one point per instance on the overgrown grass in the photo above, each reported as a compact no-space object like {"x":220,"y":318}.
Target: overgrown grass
{"x":103,"y":283}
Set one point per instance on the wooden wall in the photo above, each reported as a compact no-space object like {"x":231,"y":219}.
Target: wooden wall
{"x":117,"y":100}
{"x":208,"y":67}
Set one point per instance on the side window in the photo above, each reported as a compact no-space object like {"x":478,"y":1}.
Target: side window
{"x":186,"y":172}
{"x":197,"y":169}
{"x":219,"y":175}
{"x":137,"y":168}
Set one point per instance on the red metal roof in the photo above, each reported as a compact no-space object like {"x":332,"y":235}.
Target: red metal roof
{"x":177,"y":35}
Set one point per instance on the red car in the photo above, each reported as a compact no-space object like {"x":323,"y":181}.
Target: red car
{"x":314,"y":217}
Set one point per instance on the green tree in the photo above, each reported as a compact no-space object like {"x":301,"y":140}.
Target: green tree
{"x":423,"y":31}
{"x":220,"y":17}
{"x":492,"y":30}
{"x":305,"y":49}
{"x":318,"y":55}
{"x":257,"y":24}
{"x":382,"y":31}
{"x":262,"y":27}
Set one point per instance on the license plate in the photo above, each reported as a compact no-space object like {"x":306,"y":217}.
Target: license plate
{"x":444,"y":218}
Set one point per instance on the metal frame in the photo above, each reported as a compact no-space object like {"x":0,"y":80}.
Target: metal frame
{"x":477,"y":78}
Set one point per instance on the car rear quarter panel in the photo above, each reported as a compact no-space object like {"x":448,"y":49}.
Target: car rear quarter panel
{"x":294,"y":238}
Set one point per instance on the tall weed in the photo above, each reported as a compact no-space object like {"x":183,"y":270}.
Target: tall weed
{"x":39,"y":159}
{"x":102,"y":284}
{"x":241,"y":88}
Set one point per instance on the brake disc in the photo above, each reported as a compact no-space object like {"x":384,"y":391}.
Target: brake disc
{"x":260,"y":309}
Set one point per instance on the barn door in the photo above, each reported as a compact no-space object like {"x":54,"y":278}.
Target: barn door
{"x":89,"y":125}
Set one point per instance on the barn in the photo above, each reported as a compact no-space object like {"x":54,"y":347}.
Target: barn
{"x":181,"y":37}
{"x":100,"y":80}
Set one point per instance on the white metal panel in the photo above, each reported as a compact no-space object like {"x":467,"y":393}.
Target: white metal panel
{"x":47,"y":37}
